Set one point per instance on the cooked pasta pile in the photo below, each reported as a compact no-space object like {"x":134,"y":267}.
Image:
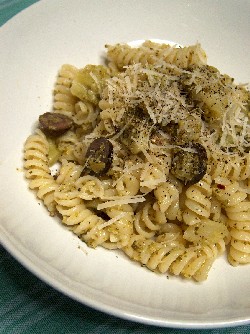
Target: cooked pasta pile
{"x":152,"y":155}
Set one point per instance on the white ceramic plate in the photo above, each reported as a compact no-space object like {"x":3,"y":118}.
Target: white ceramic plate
{"x":33,"y":45}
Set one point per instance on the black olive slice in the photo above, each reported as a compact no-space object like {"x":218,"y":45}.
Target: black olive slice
{"x":54,"y":124}
{"x":99,"y":156}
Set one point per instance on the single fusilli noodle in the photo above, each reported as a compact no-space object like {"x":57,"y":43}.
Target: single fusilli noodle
{"x":167,"y":196}
{"x":89,"y":187}
{"x":37,"y":170}
{"x":197,"y":202}
{"x":239,"y":251}
{"x":150,"y":53}
{"x":229,"y":193}
{"x":71,"y":207}
{"x":237,"y":207}
{"x":78,"y":217}
{"x":88,"y":83}
{"x":192,"y":262}
{"x":64,"y":101}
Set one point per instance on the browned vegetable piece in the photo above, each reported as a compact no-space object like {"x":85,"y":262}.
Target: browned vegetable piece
{"x":54,"y":124}
{"x":99,"y":156}
{"x":172,"y":130}
{"x":189,"y":166}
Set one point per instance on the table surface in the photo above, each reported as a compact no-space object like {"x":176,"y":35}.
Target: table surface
{"x":28,"y":305}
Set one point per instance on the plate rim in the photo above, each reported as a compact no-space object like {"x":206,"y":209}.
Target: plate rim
{"x":31,"y":266}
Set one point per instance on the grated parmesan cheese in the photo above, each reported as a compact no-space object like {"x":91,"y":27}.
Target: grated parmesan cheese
{"x":121,"y":201}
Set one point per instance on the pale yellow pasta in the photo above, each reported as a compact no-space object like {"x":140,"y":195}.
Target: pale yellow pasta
{"x":151,"y":177}
{"x":150,"y":53}
{"x":89,"y":187}
{"x":85,"y":115}
{"x":69,"y":145}
{"x":217,"y":93}
{"x":197,"y":202}
{"x":194,"y":265}
{"x":237,"y":207}
{"x":64,"y":101}
{"x":82,"y":221}
{"x":206,"y":231}
{"x":216,"y":212}
{"x":121,"y":228}
{"x":239,"y":252}
{"x":229,"y":193}
{"x":248,"y":187}
{"x":109,"y":190}
{"x":148,"y":221}
{"x":167,"y":196}
{"x":128,"y":184}
{"x":37,"y":170}
{"x":88,"y":83}
{"x":189,"y":262}
{"x":239,"y":225}
{"x":229,"y":166}
{"x":69,"y":173}
{"x":155,"y":160}
{"x":171,"y":231}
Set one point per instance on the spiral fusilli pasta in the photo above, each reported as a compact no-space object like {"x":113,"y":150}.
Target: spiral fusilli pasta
{"x":233,"y":167}
{"x":150,"y":53}
{"x":88,"y":83}
{"x":167,"y":196}
{"x":148,"y":221}
{"x":37,"y":169}
{"x":177,"y":259}
{"x":148,"y":154}
{"x":64,"y":101}
{"x":197,"y":202}
{"x":237,"y":207}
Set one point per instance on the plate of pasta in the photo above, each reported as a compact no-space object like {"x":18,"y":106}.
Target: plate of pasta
{"x":126,"y":154}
